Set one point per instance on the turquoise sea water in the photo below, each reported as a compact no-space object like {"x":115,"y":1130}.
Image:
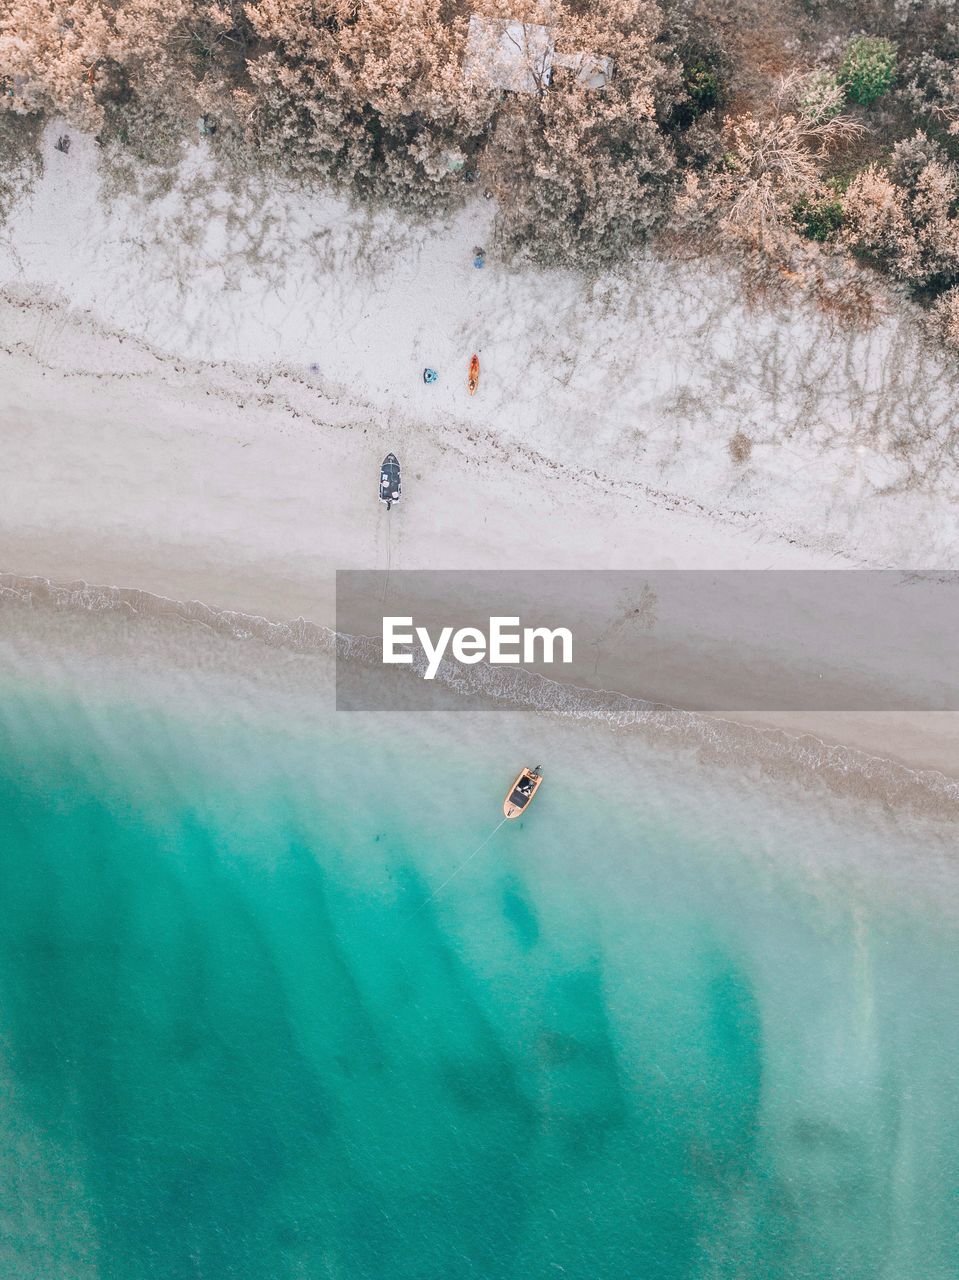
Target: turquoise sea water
{"x":669,"y":1026}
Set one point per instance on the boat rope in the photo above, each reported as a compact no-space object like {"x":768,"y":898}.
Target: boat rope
{"x":389,"y":557}
{"x":454,"y":873}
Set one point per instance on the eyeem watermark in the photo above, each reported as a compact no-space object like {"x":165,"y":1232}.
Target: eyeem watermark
{"x":704,"y":641}
{"x":503,"y":642}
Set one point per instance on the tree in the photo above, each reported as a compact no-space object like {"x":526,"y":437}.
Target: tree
{"x":933,"y":89}
{"x":905,"y":218}
{"x":773,"y":163}
{"x":368,"y":95}
{"x":944,"y":318}
{"x":584,"y":174}
{"x":49,"y":52}
{"x":82,"y":58}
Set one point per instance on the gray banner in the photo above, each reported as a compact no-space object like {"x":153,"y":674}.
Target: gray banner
{"x":704,"y":641}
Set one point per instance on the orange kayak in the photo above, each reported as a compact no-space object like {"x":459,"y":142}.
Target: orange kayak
{"x":473,"y":381}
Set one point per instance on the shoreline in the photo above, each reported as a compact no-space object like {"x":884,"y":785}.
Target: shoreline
{"x":800,"y":755}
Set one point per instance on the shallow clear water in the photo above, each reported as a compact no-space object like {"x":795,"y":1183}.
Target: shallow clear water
{"x":672,"y":1025}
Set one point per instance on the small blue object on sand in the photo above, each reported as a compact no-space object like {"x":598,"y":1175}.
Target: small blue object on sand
{"x":479,"y":258}
{"x":430,"y":375}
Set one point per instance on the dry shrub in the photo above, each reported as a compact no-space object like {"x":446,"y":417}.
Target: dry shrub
{"x":772,"y":162}
{"x":767,"y":283}
{"x":905,"y":219}
{"x":20,"y":161}
{"x":370,"y":96}
{"x":49,"y":50}
{"x":740,"y":447}
{"x":943,"y":318}
{"x":80,"y":58}
{"x":584,"y":175}
{"x":849,"y":300}
{"x":932,"y":89}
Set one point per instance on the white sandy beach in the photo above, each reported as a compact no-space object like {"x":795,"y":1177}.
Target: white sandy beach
{"x":196,"y":394}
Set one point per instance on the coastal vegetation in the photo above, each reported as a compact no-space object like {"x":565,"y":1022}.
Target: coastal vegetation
{"x":814,"y":141}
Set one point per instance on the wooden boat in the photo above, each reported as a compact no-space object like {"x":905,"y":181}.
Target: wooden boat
{"x":522,"y":791}
{"x":473,"y":380}
{"x":390,"y":480}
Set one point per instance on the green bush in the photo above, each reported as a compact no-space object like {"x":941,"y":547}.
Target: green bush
{"x":821,"y":99}
{"x":868,"y":68}
{"x":818,"y":219}
{"x":704,"y":86}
